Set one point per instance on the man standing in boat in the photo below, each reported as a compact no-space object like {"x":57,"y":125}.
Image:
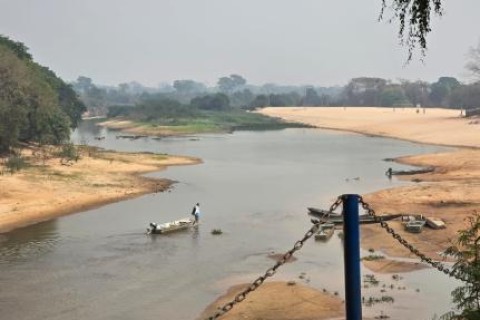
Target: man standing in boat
{"x":196,"y":212}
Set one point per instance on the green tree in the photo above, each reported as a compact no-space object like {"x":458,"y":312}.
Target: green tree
{"x":83,"y":84}
{"x":241,"y":98}
{"x":188,"y":86}
{"x":18,"y":48}
{"x":311,"y":97}
{"x":441,"y":90}
{"x":260,"y":101}
{"x":393,"y":95}
{"x":213,"y":102}
{"x":284,"y":99}
{"x":417,"y":92}
{"x":67,"y":98}
{"x":466,"y":96}
{"x":231,"y":83}
{"x":14,"y":82}
{"x":364,"y":91}
{"x":466,"y":251}
{"x":35,"y":105}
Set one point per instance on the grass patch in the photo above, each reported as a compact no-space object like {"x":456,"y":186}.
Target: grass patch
{"x":217,"y":231}
{"x":15,"y":163}
{"x":213,"y":122}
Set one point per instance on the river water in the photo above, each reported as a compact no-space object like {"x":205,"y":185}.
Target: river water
{"x":254,"y":186}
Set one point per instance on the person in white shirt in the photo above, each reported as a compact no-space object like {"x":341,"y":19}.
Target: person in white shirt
{"x":196,"y":213}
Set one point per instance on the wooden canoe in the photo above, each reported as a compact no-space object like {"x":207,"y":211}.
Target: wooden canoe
{"x":167,"y":227}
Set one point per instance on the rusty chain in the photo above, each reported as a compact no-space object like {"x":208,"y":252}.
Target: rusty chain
{"x":271,"y":271}
{"x":436,"y":264}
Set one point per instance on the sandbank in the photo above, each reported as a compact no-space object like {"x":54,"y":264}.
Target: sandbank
{"x":279,"y":301}
{"x":49,"y":188}
{"x":430,"y":125}
{"x":451,"y":192}
{"x":136,"y":128}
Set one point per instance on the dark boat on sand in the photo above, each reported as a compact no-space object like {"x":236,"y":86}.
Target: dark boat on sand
{"x":337,"y":218}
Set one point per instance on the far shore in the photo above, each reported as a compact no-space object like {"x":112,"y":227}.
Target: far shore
{"x":49,"y":188}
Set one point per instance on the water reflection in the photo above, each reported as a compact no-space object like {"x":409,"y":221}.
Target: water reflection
{"x":29,"y":243}
{"x":88,"y":130}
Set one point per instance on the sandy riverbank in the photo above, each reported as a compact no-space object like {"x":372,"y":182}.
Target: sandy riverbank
{"x":450,"y":193}
{"x":48,"y":189}
{"x":279,"y":301}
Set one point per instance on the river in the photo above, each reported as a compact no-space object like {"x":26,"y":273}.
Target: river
{"x":253,"y":185}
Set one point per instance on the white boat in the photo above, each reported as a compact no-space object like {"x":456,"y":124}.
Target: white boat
{"x":435,"y":223}
{"x":325,"y":232}
{"x":166,"y":227}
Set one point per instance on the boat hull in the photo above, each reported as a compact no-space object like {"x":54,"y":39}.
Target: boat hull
{"x":325,"y":233}
{"x":338,"y":218}
{"x":168,"y":227}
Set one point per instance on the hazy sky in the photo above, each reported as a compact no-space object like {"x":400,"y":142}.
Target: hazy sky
{"x":315,"y":42}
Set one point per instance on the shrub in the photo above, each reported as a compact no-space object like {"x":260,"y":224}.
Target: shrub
{"x":15,"y":163}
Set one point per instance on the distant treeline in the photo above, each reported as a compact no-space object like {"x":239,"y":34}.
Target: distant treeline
{"x":446,"y":92}
{"x":206,"y":113}
{"x":35,"y":105}
{"x":240,"y":94}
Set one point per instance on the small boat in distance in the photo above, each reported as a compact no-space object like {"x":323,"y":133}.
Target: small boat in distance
{"x":167,"y":227}
{"x":337,"y":218}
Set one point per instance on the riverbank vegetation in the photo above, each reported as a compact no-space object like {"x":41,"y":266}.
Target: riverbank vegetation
{"x":35,"y":104}
{"x":466,"y":251}
{"x":446,"y":92}
{"x":204,"y":114}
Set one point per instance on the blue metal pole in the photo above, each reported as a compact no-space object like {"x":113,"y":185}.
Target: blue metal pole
{"x":351,"y":233}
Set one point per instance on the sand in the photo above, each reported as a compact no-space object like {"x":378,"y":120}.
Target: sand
{"x":450,"y":193}
{"x":279,"y":301}
{"x":435,"y":126}
{"x":49,"y":189}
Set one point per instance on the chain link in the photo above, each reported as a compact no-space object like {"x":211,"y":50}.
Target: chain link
{"x":437,"y":265}
{"x":271,"y":271}
{"x":299,"y":244}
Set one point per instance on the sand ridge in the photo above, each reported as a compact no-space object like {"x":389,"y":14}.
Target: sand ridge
{"x":50,"y":188}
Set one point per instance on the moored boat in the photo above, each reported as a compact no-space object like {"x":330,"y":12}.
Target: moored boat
{"x":325,"y":232}
{"x":415,"y":226}
{"x":435,"y":223}
{"x":337,"y":218}
{"x":167,"y":227}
